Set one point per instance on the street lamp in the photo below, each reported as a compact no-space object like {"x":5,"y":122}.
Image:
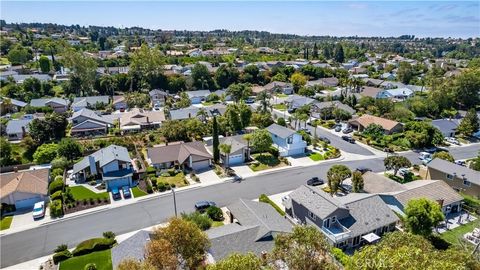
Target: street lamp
{"x":174,"y":202}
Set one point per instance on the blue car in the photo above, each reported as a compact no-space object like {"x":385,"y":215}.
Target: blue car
{"x":126,"y":192}
{"x":116,"y":194}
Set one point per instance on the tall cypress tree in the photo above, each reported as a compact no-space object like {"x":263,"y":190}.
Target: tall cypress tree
{"x":315,"y":51}
{"x":216,"y":143}
{"x":339,"y":55}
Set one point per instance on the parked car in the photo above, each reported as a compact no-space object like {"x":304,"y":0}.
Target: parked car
{"x":348,"y":139}
{"x":403,"y":171}
{"x":363,"y":169}
{"x":203,"y":205}
{"x":452,"y":140}
{"x":347,"y":130}
{"x":424,"y":155}
{"x":38,"y":210}
{"x":461,"y":163}
{"x":315,"y":181}
{"x":126,"y":192}
{"x":338,"y":128}
{"x":249,"y":100}
{"x":325,"y":139}
{"x":116,"y":194}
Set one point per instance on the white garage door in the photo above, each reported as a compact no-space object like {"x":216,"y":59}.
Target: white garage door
{"x":236,"y":159}
{"x":118,"y":183}
{"x":27,"y":203}
{"x":200,"y":165}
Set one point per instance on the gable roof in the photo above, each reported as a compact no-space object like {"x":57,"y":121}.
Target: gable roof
{"x":446,"y":125}
{"x":103,"y":157}
{"x":454,"y":169}
{"x":32,"y":181}
{"x":198,"y":93}
{"x":15,"y":126}
{"x":89,"y":101}
{"x":138,"y":116}
{"x":376,"y":183}
{"x":280,"y":131}
{"x":177,"y":152}
{"x":334,"y":104}
{"x":436,"y":190}
{"x":316,"y":201}
{"x":41,"y":102}
{"x":132,"y":247}
{"x":14,"y":102}
{"x":91,"y":115}
{"x":366,"y":120}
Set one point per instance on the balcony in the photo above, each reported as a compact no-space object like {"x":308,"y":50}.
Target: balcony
{"x":337,"y":232}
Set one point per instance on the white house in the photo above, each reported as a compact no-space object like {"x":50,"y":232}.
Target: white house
{"x":287,"y":141}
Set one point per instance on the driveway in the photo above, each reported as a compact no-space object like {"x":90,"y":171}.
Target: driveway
{"x":24,"y":219}
{"x":209,"y":177}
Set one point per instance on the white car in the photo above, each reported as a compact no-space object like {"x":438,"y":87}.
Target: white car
{"x":39,"y":210}
{"x":452,"y":140}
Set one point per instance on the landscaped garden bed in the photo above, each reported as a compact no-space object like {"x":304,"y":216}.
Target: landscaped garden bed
{"x":265,"y":161}
{"x":79,"y":198}
{"x":137,"y":192}
{"x":324,"y":153}
{"x":5,"y":222}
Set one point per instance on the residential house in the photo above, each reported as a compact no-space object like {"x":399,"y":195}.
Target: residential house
{"x":296,"y":101}
{"x":198,"y":96}
{"x":287,"y":141}
{"x":17,"y":129}
{"x":86,"y":122}
{"x":369,"y":91}
{"x":10,"y":105}
{"x":318,"y":107}
{"x":239,"y":149}
{"x":89,"y":102}
{"x":253,"y":228}
{"x":192,"y":111}
{"x":448,"y":127}
{"x":460,"y":178}
{"x":396,"y":93}
{"x":137,"y":119}
{"x":58,"y":105}
{"x":20,"y":78}
{"x":279,"y":87}
{"x":111,"y":164}
{"x":398,"y":195}
{"x":388,"y":76}
{"x":158,"y":97}
{"x":347,"y":221}
{"x":328,"y":82}
{"x":191,"y":155}
{"x":362,"y":122}
{"x":119,"y":103}
{"x":24,"y":188}
{"x":131,"y":248}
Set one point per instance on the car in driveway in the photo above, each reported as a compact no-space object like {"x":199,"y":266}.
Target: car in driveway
{"x":203,"y":205}
{"x":452,"y":140}
{"x":315,"y":181}
{"x":126,"y":192}
{"x":324,"y":139}
{"x":347,"y":130}
{"x":403,"y":171}
{"x":338,"y":128}
{"x":461,"y":163}
{"x":363,"y":169}
{"x":116,"y":194}
{"x":38,"y":210}
{"x":348,"y":139}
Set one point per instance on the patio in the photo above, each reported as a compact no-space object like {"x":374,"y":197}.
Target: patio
{"x":455,"y":220}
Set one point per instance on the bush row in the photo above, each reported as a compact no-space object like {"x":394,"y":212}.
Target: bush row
{"x":264,"y":198}
{"x":94,"y":244}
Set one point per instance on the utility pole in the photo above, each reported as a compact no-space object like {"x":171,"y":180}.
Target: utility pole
{"x":174,"y":202}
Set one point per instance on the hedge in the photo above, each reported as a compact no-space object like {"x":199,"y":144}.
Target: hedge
{"x":56,"y":208}
{"x":61,"y":256}
{"x":57,"y":196}
{"x":343,"y":258}
{"x":55,"y":186}
{"x":264,"y":198}
{"x":94,"y":244}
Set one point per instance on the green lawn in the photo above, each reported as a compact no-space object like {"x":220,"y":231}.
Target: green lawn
{"x":452,"y":236}
{"x":208,"y":103}
{"x":280,"y":107}
{"x":17,"y":115}
{"x":217,"y":224}
{"x":281,"y":95}
{"x":5,"y":222}
{"x":179,"y":180}
{"x":83,"y":193}
{"x":138,"y":192}
{"x":316,"y":156}
{"x":265,"y":161}
{"x":102,"y":259}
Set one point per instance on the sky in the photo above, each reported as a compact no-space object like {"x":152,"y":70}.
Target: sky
{"x":334,"y":18}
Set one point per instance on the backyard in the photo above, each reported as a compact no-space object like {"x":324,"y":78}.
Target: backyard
{"x":265,"y":161}
{"x":453,"y":236}
{"x":102,"y":259}
{"x":5,"y":222}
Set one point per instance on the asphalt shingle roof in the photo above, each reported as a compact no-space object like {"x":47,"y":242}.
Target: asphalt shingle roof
{"x":280,"y":131}
{"x":132,"y":247}
{"x":103,"y":157}
{"x":452,"y":168}
{"x":316,"y":201}
{"x":177,"y":152}
{"x":15,"y":126}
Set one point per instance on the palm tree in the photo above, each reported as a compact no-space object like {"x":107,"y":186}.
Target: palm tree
{"x":264,"y":99}
{"x":225,"y":149}
{"x":248,"y":138}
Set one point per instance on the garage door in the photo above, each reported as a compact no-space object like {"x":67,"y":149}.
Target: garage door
{"x":27,"y":203}
{"x":297,"y":151}
{"x":118,"y":183}
{"x":200,"y":165}
{"x":236,"y":159}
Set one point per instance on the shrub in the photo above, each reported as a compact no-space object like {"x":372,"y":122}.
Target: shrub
{"x":90,"y":266}
{"x":340,"y":256}
{"x":60,"y":163}
{"x":151,"y":170}
{"x":7,"y":208}
{"x":167,"y":186}
{"x":416,"y":167}
{"x":55,"y":186}
{"x":274,"y":151}
{"x":161,"y":187}
{"x":61,"y":248}
{"x":109,"y":234}
{"x":56,"y":208}
{"x":154,"y":182}
{"x":149,"y":188}
{"x":173,"y":185}
{"x":264,"y":198}
{"x":94,"y":244}
{"x":58,"y":178}
{"x":281,"y":122}
{"x":202,"y":221}
{"x":91,"y":201}
{"x":56,"y":172}
{"x":68,"y":196}
{"x":61,"y":256}
{"x":57,"y":196}
{"x":215,"y":213}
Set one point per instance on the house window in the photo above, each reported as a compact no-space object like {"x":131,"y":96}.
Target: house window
{"x":449,"y":176}
{"x":290,"y":140}
{"x":326,"y":223}
{"x":334,"y":219}
{"x":466,"y":183}
{"x":312,"y":216}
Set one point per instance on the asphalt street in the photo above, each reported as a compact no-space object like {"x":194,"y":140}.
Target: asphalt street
{"x":40,"y":241}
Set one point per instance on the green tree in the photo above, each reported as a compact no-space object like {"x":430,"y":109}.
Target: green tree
{"x":45,"y":153}
{"x":261,"y":140}
{"x":201,"y":77}
{"x":475,"y":163}
{"x":336,"y":175}
{"x":83,"y":75}
{"x":226,"y":75}
{"x":339,"y":54}
{"x":70,"y":149}
{"x":19,"y":55}
{"x":237,"y":261}
{"x":226,"y":149}
{"x":50,"y":128}
{"x":264,"y":99}
{"x":384,"y":106}
{"x":146,"y":67}
{"x":250,"y":74}
{"x":298,"y":80}
{"x":395,"y":163}
{"x":44,"y":63}
{"x":405,"y":73}
{"x":357,"y":181}
{"x":239,"y":91}
{"x":469,"y":124}
{"x":374,"y":131}
{"x":5,"y":153}
{"x":422,"y":134}
{"x":444,"y":155}
{"x":466,"y":87}
{"x":248,"y":137}
{"x":422,"y":215}
{"x":215,"y":141}
{"x":305,"y":248}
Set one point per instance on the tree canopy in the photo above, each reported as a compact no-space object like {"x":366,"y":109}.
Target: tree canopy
{"x":422,"y":215}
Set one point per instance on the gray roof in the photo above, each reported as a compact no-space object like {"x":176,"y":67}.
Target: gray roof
{"x":297,"y":101}
{"x":92,"y":115}
{"x":103,"y":157}
{"x":40,"y":102}
{"x":15,"y":126}
{"x":454,"y":169}
{"x":376,"y":183}
{"x":280,"y":131}
{"x":117,"y":174}
{"x":335,"y":104}
{"x":15,"y":102}
{"x":21,"y":77}
{"x":198,"y":93}
{"x":316,"y":201}
{"x":184,"y":113}
{"x":446,"y":125}
{"x":132,"y":247}
{"x":86,"y":101}
{"x":237,"y":142}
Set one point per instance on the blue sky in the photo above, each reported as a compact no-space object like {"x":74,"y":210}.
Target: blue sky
{"x":336,"y":18}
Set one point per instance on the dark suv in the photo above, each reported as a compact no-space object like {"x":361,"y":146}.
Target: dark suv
{"x":315,"y":181}
{"x":348,"y":139}
{"x":203,"y":205}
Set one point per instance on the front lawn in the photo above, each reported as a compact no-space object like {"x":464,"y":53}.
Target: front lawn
{"x":217,"y":224}
{"x":137,"y":192}
{"x":265,"y":161}
{"x":83,"y":193}
{"x":452,"y":236}
{"x":280,"y":107}
{"x":178,"y":180}
{"x":316,"y":156}
{"x":102,"y":259}
{"x":5,"y":222}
